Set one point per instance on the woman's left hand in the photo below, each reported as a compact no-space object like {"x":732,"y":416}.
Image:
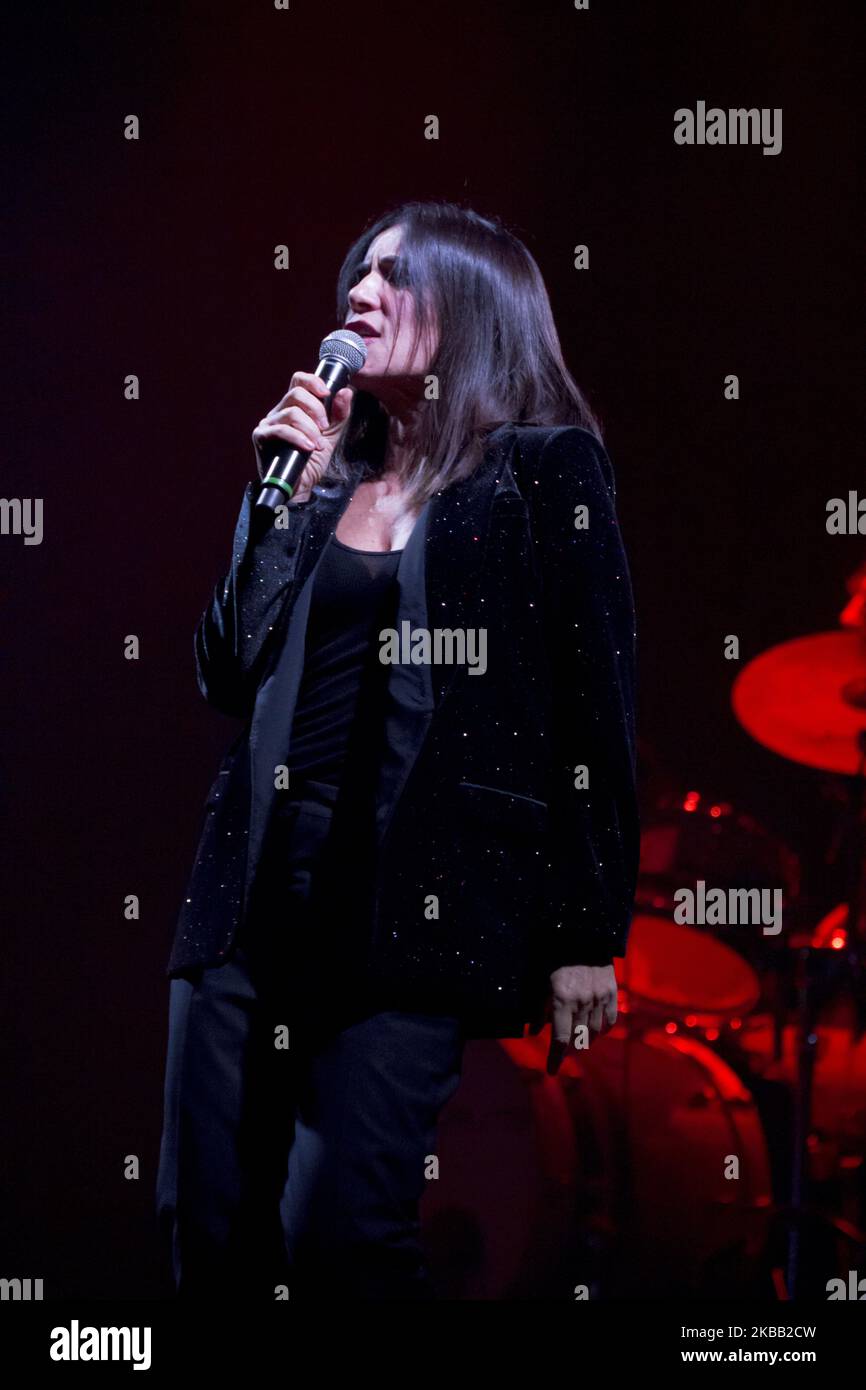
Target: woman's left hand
{"x":580,"y":995}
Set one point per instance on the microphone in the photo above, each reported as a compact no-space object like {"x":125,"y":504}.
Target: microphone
{"x":341,"y":354}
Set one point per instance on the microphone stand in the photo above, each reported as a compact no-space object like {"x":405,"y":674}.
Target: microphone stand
{"x":818,"y":978}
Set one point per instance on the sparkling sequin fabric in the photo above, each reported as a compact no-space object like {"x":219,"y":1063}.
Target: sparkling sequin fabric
{"x":493,"y":867}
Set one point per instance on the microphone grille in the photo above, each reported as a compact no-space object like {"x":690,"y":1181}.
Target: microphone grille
{"x":346,"y":346}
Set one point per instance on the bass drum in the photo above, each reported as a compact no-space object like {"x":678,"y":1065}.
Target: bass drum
{"x":675,"y":972}
{"x":498,"y":1221}
{"x":610,"y":1175}
{"x":675,"y":1168}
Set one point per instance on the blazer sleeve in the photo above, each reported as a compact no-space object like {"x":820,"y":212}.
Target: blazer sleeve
{"x":236,"y":632}
{"x":589,"y":623}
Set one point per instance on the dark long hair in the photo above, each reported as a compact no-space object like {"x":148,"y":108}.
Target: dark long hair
{"x":498,"y":360}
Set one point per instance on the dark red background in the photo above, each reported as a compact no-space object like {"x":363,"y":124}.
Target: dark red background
{"x":261,"y":127}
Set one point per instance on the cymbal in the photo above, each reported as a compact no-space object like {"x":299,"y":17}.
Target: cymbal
{"x":806,"y":700}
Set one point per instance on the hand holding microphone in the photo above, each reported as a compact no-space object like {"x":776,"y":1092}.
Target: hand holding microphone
{"x":295,"y":441}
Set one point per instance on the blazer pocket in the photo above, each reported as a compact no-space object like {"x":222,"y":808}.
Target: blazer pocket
{"x":504,"y":807}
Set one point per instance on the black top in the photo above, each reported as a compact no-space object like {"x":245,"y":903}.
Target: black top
{"x":339,"y":705}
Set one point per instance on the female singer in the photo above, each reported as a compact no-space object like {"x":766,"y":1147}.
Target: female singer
{"x":426,"y":830}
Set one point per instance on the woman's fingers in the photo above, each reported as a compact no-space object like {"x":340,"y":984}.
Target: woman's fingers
{"x":300,"y":419}
{"x":596,"y":1018}
{"x":315,"y":466}
{"x":313,"y":385}
{"x":297,"y":416}
{"x":581,"y":996}
{"x":301,"y":438}
{"x":610,"y":1009}
{"x":584,"y":1012}
{"x":308,"y":404}
{"x":341,"y":407}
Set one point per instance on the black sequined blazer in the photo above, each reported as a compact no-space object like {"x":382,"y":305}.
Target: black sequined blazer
{"x":479,"y":806}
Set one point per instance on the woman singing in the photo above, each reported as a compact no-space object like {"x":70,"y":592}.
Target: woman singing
{"x":426,"y":830}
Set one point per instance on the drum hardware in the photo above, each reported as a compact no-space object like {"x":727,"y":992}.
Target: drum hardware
{"x":655,"y":1113}
{"x":638,"y":1125}
{"x":806,"y":700}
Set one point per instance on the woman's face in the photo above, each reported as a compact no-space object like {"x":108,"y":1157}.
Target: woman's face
{"x":374,"y":302}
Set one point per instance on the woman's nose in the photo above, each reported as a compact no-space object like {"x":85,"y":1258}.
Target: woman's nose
{"x":364,"y":295}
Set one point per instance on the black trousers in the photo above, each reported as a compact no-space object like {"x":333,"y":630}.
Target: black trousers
{"x":300,"y":1117}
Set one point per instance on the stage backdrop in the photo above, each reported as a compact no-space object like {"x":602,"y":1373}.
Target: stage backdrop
{"x":260,"y":126}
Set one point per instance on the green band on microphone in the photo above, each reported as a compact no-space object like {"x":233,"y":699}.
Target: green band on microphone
{"x":278,"y":482}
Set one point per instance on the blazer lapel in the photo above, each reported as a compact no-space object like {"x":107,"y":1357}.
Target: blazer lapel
{"x":278,"y":693}
{"x":456,"y":544}
{"x":437,"y":585}
{"x":437,"y":575}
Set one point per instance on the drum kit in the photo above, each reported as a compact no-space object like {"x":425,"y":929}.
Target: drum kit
{"x":716,"y":1135}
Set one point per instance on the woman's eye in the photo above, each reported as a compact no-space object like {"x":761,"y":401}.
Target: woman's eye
{"x":395,"y":274}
